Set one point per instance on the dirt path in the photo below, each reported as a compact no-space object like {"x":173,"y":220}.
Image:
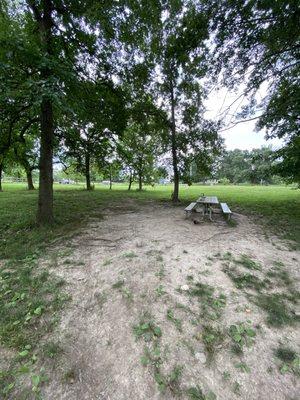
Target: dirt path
{"x":140,"y":264}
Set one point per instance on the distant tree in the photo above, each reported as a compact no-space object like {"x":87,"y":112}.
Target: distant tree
{"x":179,"y":52}
{"x":241,"y":166}
{"x":258,"y":42}
{"x":95,"y":119}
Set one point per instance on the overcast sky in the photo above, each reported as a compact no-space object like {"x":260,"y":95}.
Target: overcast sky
{"x":242,"y":136}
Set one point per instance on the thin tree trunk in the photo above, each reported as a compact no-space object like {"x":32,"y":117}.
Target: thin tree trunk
{"x":87,"y":171}
{"x":29,"y":179}
{"x":175,"y":194}
{"x":110,"y":178}
{"x":45,"y":201}
{"x":1,"y":169}
{"x":130,"y":181}
{"x":140,"y":181}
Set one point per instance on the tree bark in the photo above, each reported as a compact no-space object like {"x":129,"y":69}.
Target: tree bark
{"x":110,"y":178}
{"x":29,"y":179}
{"x":140,"y":182}
{"x":45,"y":202}
{"x":175,"y":194}
{"x":1,"y":169}
{"x":87,"y":172}
{"x":130,"y":181}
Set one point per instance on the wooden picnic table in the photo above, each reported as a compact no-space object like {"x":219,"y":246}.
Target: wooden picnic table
{"x":207,"y":202}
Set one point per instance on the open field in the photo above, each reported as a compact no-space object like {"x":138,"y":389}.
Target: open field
{"x":275,"y":207}
{"x":124,"y":298}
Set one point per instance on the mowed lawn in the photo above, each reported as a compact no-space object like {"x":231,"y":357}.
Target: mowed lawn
{"x":277,"y":208}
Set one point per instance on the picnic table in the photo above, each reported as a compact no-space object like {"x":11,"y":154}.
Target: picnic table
{"x":207,"y":202}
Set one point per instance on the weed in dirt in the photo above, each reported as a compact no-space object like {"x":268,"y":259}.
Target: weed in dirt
{"x":189,"y":346}
{"x":277,"y":308}
{"x":108,"y":261}
{"x":147,"y":329}
{"x":236,"y":388}
{"x":245,"y":280}
{"x":189,"y":278}
{"x":118,"y":285}
{"x":196,"y":393}
{"x":248,"y":263}
{"x":129,"y":254}
{"x":170,"y":381}
{"x":161,"y":272}
{"x":101,"y":298}
{"x":282,"y":277}
{"x":212,"y":339}
{"x":127,"y":294}
{"x":227,"y":256}
{"x":290,"y":360}
{"x":226,"y":375}
{"x":211,"y":305}
{"x":52,"y":349}
{"x":241,"y":335}
{"x":70,"y":375}
{"x":160,"y":291}
{"x":243,"y":367}
{"x":176,"y":321}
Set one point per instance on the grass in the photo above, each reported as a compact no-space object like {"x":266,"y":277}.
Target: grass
{"x":276,"y":207}
{"x":290,"y":360}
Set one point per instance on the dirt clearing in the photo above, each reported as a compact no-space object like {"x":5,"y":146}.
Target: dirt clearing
{"x":163,"y":308}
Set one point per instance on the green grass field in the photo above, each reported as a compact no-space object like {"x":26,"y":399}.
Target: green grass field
{"x":276,"y":207}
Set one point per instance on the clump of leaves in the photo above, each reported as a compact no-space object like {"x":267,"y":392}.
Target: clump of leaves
{"x":227,"y":256}
{"x":242,"y":335}
{"x":279,"y":312}
{"x":176,"y":321}
{"x":246,"y":280}
{"x":282,"y":277}
{"x":248,"y":263}
{"x":212,"y":339}
{"x":196,"y":393}
{"x":129,"y":254}
{"x":243,"y":367}
{"x":161,"y":272}
{"x":118,"y":284}
{"x":211,"y":305}
{"x":147,"y":329}
{"x":160,"y":291}
{"x":52,"y":349}
{"x":170,"y":381}
{"x":290,"y":361}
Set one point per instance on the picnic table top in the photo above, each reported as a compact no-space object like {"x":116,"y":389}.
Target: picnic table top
{"x":208,"y":200}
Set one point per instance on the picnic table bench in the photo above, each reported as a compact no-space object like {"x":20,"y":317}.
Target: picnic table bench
{"x":226,"y":210}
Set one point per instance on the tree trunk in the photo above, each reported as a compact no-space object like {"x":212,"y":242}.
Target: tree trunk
{"x":175,"y":194}
{"x":87,"y":171}
{"x":110,"y":178}
{"x":130,"y":181}
{"x":29,"y":179}
{"x":1,"y":169}
{"x":140,"y":182}
{"x":45,"y":202}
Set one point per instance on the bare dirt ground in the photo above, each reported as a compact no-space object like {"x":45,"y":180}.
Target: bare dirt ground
{"x":139,"y":264}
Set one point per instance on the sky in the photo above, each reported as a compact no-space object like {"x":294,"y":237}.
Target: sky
{"x":244,"y":135}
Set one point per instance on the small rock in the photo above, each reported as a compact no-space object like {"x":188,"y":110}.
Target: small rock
{"x":185,"y":287}
{"x":201,"y":357}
